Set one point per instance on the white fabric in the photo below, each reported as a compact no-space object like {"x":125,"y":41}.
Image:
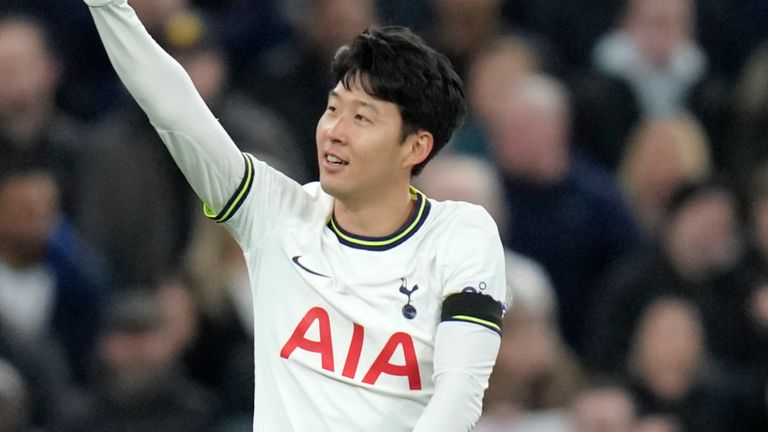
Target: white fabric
{"x":357,"y":363}
{"x":464,"y":357}
{"x":26,"y":299}
{"x":661,"y":90}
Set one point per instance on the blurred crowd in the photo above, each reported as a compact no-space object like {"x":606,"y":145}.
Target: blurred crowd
{"x":621,"y":146}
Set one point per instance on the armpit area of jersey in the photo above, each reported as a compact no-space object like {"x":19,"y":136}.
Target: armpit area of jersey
{"x":238,"y":197}
{"x":473,"y":307}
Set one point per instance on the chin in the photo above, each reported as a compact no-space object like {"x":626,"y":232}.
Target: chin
{"x":329,"y":188}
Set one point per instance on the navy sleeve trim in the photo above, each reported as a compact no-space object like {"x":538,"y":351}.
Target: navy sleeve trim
{"x":238,"y":197}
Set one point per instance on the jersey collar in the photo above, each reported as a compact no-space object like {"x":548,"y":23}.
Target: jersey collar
{"x":409,"y":228}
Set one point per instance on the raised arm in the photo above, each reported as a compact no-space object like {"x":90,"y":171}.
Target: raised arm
{"x":209,"y":159}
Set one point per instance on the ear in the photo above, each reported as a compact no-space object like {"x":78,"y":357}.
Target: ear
{"x":418,"y":146}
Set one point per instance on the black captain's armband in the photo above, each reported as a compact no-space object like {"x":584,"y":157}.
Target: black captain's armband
{"x":238,"y":197}
{"x":474,"y":307}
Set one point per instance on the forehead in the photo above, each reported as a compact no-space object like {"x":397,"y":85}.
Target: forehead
{"x":357,"y":95}
{"x":21,"y":37}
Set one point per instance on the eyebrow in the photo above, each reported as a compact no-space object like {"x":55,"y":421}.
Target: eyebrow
{"x":358,"y":102}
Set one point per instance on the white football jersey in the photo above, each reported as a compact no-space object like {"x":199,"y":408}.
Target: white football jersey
{"x":345,"y":325}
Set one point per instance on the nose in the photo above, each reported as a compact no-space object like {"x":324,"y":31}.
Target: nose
{"x":335,"y":130}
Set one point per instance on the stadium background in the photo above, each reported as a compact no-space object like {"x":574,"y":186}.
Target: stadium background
{"x":621,"y":147}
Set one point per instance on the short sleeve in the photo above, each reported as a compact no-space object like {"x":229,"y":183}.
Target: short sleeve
{"x":474,"y":287}
{"x":266,"y":200}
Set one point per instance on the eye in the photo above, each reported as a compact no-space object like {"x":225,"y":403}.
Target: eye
{"x":361,"y":118}
{"x":331,"y":108}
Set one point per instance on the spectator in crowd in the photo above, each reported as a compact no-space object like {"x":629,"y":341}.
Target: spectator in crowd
{"x":654,"y":51}
{"x":673,"y":376}
{"x":697,"y":256}
{"x":278,"y":77}
{"x":51,"y":285}
{"x":30,"y":123}
{"x":140,"y":386}
{"x":662,"y":155}
{"x":565,"y":212}
{"x":499,"y":65}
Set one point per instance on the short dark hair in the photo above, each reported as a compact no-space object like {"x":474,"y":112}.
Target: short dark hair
{"x":395,"y":65}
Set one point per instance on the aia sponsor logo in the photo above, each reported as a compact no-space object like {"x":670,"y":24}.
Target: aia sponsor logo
{"x":323,"y":347}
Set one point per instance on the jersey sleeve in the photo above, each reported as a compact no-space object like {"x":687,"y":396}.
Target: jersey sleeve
{"x":277,"y":202}
{"x":474,"y":286}
{"x":201,"y":148}
{"x":222,"y":176}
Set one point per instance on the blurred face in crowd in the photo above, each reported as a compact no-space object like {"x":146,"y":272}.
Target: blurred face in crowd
{"x":529,"y":131}
{"x":702,"y":236}
{"x":208,"y":72}
{"x":498,"y":67}
{"x":155,"y":13}
{"x":30,"y":204}
{"x":333,"y":23}
{"x":603,"y":410}
{"x":29,"y":74}
{"x":136,"y":363}
{"x":663,"y":155}
{"x":659,"y":27}
{"x":669,"y":348}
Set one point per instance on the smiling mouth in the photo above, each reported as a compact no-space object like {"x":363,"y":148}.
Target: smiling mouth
{"x":334,"y":160}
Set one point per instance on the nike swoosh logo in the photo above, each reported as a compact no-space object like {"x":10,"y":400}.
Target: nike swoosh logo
{"x":296,"y":261}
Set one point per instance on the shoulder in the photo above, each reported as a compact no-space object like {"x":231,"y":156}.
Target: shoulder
{"x":462,"y":228}
{"x":322,"y":201}
{"x":462,"y":216}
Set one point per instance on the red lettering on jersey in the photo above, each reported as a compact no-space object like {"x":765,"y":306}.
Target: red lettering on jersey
{"x":355,"y":348}
{"x":382,"y":364}
{"x":323,"y":346}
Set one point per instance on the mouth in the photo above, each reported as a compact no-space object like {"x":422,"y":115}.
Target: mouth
{"x":334,"y":160}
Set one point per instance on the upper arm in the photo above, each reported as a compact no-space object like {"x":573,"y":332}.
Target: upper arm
{"x":475,"y":288}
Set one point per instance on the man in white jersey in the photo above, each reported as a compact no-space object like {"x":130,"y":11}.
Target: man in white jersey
{"x":375,"y":308}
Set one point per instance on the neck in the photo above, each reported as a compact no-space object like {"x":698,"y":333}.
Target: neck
{"x":377,"y":215}
{"x":20,"y":260}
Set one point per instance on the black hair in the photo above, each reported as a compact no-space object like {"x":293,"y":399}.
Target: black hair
{"x":395,"y":65}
